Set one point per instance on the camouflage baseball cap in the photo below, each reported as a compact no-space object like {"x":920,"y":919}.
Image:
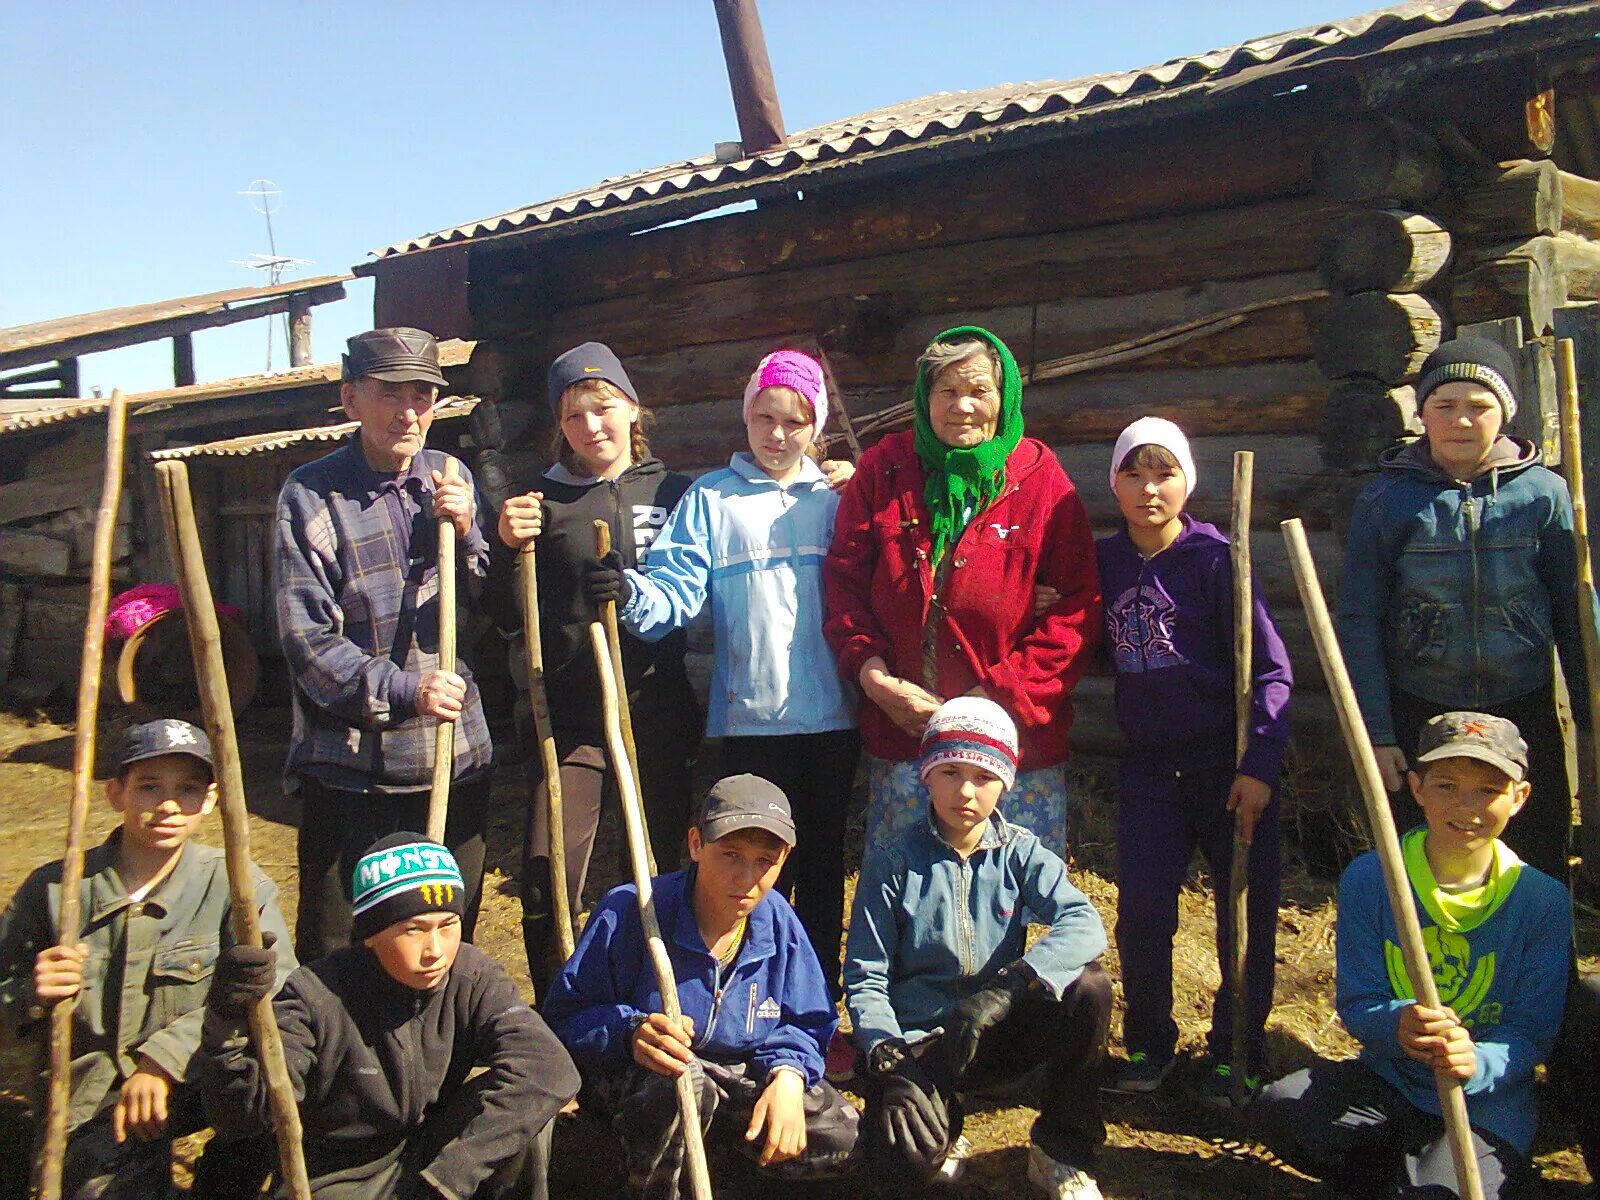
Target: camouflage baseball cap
{"x":1487,"y":738}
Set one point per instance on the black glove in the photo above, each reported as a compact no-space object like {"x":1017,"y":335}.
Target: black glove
{"x":980,"y":1012}
{"x":605,"y":580}
{"x":244,"y":975}
{"x":912,"y":1118}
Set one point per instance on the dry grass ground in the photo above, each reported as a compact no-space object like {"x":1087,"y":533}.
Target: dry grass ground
{"x":1159,"y":1148}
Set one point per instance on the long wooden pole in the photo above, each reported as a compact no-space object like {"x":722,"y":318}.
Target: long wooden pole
{"x":1452,"y":1100}
{"x":444,"y":738}
{"x":608,"y":618}
{"x":205,"y":643}
{"x":533,"y":659}
{"x":58,"y":1099}
{"x":1244,"y":472}
{"x":1572,"y":459}
{"x":638,"y":856}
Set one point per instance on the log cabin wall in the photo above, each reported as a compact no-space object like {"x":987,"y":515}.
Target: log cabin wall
{"x":1385,"y":233}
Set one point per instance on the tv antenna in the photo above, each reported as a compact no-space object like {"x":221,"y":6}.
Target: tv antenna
{"x":266,"y":198}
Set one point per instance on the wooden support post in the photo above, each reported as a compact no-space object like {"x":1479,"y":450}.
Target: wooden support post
{"x":1244,"y":472}
{"x":544,"y":732}
{"x":205,"y":644}
{"x":71,"y":382}
{"x":444,"y":738}
{"x":612,"y":687}
{"x":1452,"y":1100}
{"x":182,"y":359}
{"x":70,"y":923}
{"x":1572,"y":461}
{"x":608,"y":621}
{"x":300,"y":331}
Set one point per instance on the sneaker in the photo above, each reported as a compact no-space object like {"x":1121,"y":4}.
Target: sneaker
{"x":1060,"y":1180}
{"x":1138,"y":1073}
{"x":954,"y":1165}
{"x":1215,"y":1089}
{"x":843,"y":1062}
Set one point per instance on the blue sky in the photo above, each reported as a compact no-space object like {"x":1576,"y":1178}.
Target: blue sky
{"x":132,"y":125}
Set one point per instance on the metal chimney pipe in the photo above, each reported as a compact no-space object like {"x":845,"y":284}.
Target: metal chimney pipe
{"x":755,"y":95}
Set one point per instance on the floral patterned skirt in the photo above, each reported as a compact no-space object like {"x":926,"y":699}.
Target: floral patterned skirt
{"x":897,"y":800}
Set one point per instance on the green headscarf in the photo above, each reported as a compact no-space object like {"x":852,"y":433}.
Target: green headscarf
{"x":961,"y":483}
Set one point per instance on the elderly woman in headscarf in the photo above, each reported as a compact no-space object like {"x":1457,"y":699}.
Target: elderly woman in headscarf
{"x":939,"y":545}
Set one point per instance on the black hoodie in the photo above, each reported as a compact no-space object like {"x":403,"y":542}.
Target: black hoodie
{"x":373,"y":1061}
{"x":635,"y":505}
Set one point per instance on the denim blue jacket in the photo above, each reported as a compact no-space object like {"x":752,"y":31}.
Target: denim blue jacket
{"x":770,"y":1008}
{"x":1455,"y":592}
{"x":929,"y":928}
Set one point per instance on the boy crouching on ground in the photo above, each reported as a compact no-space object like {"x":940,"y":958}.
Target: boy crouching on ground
{"x":1499,"y":937}
{"x":380,"y":1038}
{"x":756,"y":1013}
{"x":936,"y":943}
{"x":155,"y":912}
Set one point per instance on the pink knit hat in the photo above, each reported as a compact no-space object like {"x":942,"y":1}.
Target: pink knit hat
{"x":790,"y":369}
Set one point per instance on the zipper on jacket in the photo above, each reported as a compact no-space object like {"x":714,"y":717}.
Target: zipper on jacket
{"x":1477,"y":597}
{"x":968,"y":965}
{"x":750,"y":1014}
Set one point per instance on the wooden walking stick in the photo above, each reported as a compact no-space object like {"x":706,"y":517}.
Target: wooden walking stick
{"x":1572,"y":458}
{"x":205,"y":643}
{"x":1452,"y":1100}
{"x":58,"y":1099}
{"x":533,"y":658}
{"x":608,"y":619}
{"x":444,"y":738}
{"x":1244,"y":471}
{"x":638,"y":855}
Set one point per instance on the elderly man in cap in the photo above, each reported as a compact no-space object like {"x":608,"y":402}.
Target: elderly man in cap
{"x":358,"y":618}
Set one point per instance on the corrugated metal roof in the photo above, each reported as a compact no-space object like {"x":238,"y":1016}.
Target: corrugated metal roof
{"x":35,"y":414}
{"x":931,"y":118}
{"x":261,"y":443}
{"x":43,"y":334}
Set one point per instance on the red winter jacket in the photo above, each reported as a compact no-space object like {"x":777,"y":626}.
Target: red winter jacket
{"x":879,"y":580}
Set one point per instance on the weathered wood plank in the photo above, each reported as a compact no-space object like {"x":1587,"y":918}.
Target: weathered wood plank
{"x":1067,"y":185}
{"x":1384,"y":250}
{"x":39,"y":497}
{"x":1378,"y":334}
{"x":1378,"y":160}
{"x":1126,"y":259}
{"x":27,"y":553}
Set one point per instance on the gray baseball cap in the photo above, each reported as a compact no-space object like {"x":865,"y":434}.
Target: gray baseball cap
{"x":746,"y":802}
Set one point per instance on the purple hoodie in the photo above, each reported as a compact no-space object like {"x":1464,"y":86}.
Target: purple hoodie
{"x":1169,"y":632}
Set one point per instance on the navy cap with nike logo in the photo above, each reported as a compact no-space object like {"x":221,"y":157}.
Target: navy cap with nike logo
{"x":592,"y":360}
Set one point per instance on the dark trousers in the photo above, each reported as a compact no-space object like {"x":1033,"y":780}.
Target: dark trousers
{"x":1575,"y":1067}
{"x":817,"y":771}
{"x":96,"y":1167}
{"x":666,"y":731}
{"x":643,"y":1109}
{"x":1163,"y":816}
{"x":1541,"y":831}
{"x":1347,"y":1126}
{"x":336,"y":827}
{"x":1068,"y":1035}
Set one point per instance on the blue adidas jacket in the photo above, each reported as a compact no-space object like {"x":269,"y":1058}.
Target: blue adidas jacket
{"x":772,"y":1009}
{"x":756,"y":550}
{"x":1505,"y":976}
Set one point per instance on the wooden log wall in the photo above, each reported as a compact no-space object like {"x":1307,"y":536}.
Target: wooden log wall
{"x":47,"y":517}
